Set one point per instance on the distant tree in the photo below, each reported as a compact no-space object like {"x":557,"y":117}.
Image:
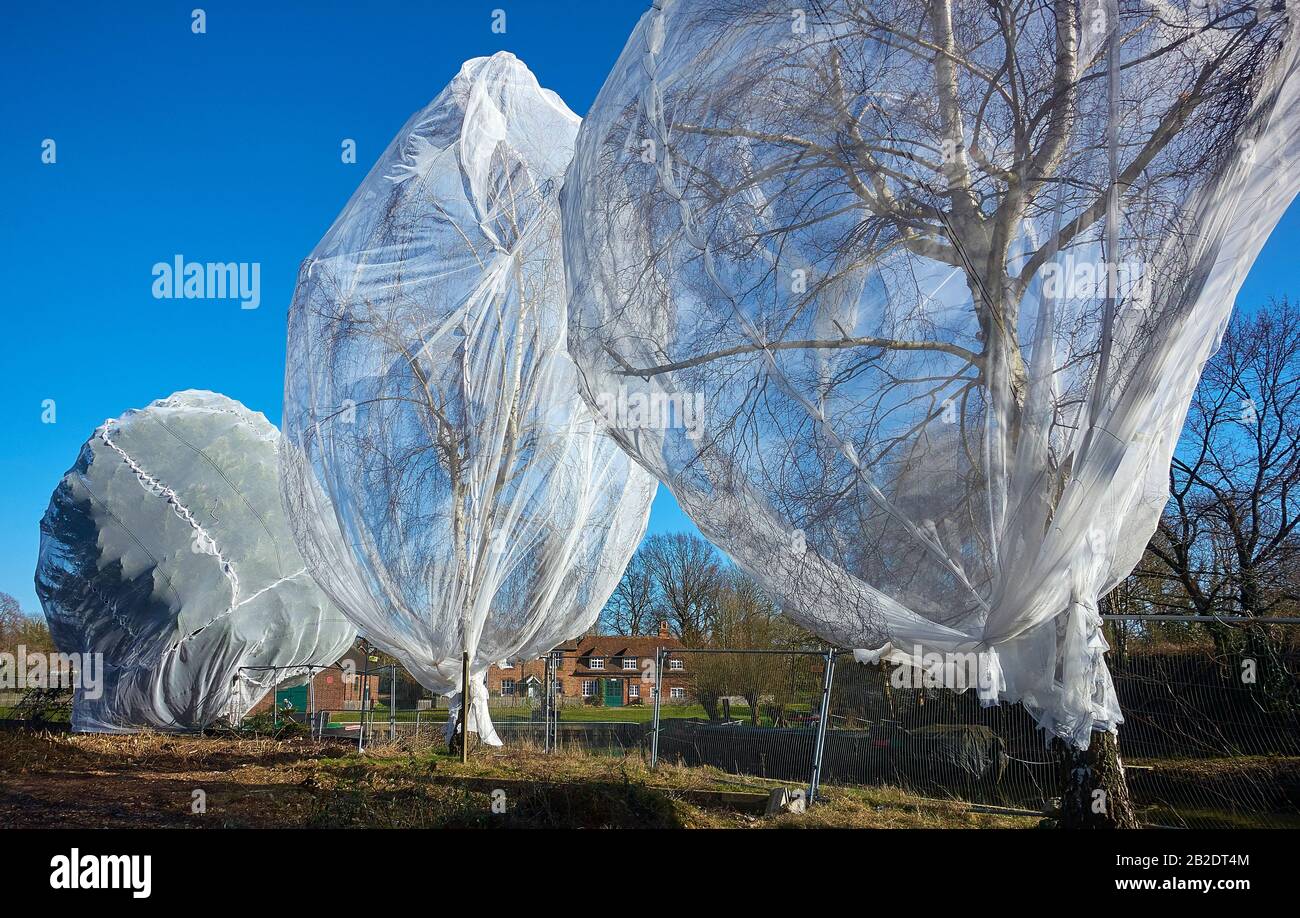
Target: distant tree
{"x":1148,"y":591}
{"x":18,"y":628}
{"x":634,"y":608}
{"x":1228,"y":543}
{"x":688,"y":574}
{"x":748,"y":618}
{"x":710,"y":681}
{"x":1229,"y":535}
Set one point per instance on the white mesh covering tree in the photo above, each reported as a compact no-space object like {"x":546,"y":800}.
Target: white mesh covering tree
{"x":447,"y":483}
{"x":164,"y":549}
{"x":944,"y":274}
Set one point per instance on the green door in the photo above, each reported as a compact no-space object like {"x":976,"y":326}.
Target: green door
{"x":613,"y":693}
{"x":296,"y":696}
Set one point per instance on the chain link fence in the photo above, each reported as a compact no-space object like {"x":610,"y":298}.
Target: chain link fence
{"x":1211,"y":735}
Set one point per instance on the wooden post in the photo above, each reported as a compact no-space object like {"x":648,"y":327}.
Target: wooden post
{"x":464,"y":707}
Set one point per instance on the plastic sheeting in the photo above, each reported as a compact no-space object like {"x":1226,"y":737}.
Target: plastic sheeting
{"x":943,"y":285}
{"x":164,"y":549}
{"x":447,"y":484}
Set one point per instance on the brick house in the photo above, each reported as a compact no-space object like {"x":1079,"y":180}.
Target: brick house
{"x":617,"y":669}
{"x":337,"y":688}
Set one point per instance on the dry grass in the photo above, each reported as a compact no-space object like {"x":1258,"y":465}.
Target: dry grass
{"x":1239,"y":792}
{"x":148,"y":780}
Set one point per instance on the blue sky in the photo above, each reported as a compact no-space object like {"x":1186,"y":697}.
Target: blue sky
{"x":225,"y":147}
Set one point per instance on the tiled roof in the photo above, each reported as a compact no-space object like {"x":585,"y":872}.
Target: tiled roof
{"x":615,"y":645}
{"x":608,"y":646}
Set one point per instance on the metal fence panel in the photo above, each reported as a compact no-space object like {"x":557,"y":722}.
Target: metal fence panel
{"x":1211,"y":734}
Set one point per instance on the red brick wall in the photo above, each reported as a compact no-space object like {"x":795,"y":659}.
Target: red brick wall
{"x":575,"y":669}
{"x":335,"y":690}
{"x":518,"y":672}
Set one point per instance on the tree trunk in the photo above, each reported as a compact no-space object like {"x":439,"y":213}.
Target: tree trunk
{"x":1094,"y":794}
{"x":709,"y":702}
{"x":457,"y":738}
{"x":883,"y":669}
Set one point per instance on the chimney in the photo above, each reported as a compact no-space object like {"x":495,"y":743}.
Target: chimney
{"x":664,"y":633}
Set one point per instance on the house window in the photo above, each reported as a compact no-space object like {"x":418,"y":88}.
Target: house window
{"x":677,"y":692}
{"x":596,"y":663}
{"x":629,"y":662}
{"x":507,"y":686}
{"x":633,"y":690}
{"x":588,"y":687}
{"x":674,"y":663}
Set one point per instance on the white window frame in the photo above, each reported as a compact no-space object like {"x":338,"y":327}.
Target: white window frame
{"x":589,"y":687}
{"x":595,"y":663}
{"x":629,"y":663}
{"x":508,"y":687}
{"x":676,"y":691}
{"x":633,"y":690}
{"x":676,"y":663}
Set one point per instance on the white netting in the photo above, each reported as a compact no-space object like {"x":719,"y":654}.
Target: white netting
{"x":942,"y":366}
{"x":164,"y":549}
{"x":447,"y":483}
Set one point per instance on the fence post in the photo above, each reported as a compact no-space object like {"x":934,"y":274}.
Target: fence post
{"x":464,"y":707}
{"x":361,"y":714}
{"x":819,"y":744}
{"x":556,"y":706}
{"x":392,"y":704}
{"x":654,"y":729}
{"x":546,"y":701}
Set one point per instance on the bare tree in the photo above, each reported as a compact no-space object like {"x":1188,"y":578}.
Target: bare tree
{"x":1228,"y":540}
{"x":449,"y":485}
{"x":688,"y":576}
{"x":984,"y":168}
{"x":872,"y":204}
{"x":1229,"y":535}
{"x":748,"y":618}
{"x":17,"y":628}
{"x":634,"y":607}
